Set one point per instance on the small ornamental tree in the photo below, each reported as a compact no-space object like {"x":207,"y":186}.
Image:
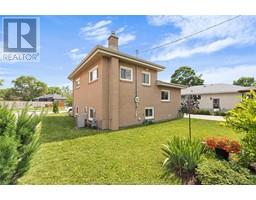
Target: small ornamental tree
{"x":19,"y":139}
{"x":189,"y":104}
{"x":242,"y":118}
{"x":55,"y":107}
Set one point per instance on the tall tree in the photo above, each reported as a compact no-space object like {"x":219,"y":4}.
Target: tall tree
{"x":7,"y":93}
{"x":186,"y":76}
{"x":28,"y":87}
{"x":245,"y":81}
{"x":66,"y":92}
{"x":54,"y":90}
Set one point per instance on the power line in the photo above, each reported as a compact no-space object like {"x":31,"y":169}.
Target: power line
{"x":190,"y":35}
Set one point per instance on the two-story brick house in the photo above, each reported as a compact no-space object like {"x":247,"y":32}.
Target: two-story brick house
{"x":120,"y":90}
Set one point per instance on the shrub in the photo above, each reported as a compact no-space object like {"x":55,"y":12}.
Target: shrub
{"x":248,"y":153}
{"x":182,"y":156}
{"x":216,"y":172}
{"x":55,"y":107}
{"x":219,"y":113}
{"x":19,"y":139}
{"x":147,"y":122}
{"x":242,"y":118}
{"x":201,"y":112}
{"x":231,"y":146}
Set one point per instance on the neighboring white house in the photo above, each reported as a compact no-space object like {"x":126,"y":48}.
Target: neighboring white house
{"x":216,"y":96}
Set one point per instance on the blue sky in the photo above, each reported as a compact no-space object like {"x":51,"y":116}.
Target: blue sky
{"x":221,"y":54}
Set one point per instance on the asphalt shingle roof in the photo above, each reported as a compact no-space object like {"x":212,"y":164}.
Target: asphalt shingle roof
{"x":53,"y":96}
{"x":213,"y":89}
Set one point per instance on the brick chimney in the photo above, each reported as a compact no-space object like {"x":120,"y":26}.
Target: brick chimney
{"x":113,"y":41}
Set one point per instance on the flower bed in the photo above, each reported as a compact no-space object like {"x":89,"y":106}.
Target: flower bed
{"x":223,"y":146}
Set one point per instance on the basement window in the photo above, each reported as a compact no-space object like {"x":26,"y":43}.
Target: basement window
{"x":126,"y":73}
{"x":93,"y":74}
{"x":149,"y":113}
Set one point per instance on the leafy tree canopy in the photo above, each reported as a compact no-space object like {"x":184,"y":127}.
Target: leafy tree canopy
{"x":245,"y":81}
{"x":66,"y":92}
{"x":28,"y":87}
{"x":1,"y":82}
{"x":54,"y":90}
{"x":186,"y":76}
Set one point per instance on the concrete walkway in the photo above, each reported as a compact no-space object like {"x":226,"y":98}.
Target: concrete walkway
{"x":206,"y":117}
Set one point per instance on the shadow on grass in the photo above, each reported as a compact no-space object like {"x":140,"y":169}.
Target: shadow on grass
{"x":61,"y":127}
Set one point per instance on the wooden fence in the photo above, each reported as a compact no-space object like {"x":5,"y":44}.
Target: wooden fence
{"x":22,"y":104}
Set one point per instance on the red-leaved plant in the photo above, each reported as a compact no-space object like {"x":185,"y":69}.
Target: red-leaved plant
{"x":230,"y":146}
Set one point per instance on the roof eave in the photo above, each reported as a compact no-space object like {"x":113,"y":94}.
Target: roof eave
{"x":109,"y":52}
{"x":172,"y":85}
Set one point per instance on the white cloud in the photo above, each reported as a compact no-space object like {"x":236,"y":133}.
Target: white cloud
{"x":125,"y":38}
{"x":227,"y":74}
{"x":162,"y":20}
{"x":100,"y":31}
{"x":76,"y":55}
{"x":240,"y":31}
{"x":186,"y":51}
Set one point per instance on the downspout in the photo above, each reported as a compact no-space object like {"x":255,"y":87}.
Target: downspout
{"x":136,"y":99}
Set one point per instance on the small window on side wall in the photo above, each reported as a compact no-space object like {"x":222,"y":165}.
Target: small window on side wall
{"x":93,"y":74}
{"x":165,"y":95}
{"x":149,"y":113}
{"x":91,"y":114}
{"x":77,"y":83}
{"x":146,"y":76}
{"x":126,"y":73}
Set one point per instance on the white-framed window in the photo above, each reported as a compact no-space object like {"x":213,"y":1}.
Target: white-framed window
{"x":77,"y":83}
{"x":93,"y":74}
{"x":126,"y":73}
{"x":91,"y":114}
{"x":149,"y":113}
{"x":165,"y":95}
{"x":146,"y":78}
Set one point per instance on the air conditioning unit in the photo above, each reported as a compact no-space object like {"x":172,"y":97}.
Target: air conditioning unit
{"x":80,"y":120}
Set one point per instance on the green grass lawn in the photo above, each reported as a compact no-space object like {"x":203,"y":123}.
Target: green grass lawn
{"x":129,"y":156}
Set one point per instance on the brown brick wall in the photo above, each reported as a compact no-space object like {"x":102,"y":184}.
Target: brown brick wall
{"x":113,"y":98}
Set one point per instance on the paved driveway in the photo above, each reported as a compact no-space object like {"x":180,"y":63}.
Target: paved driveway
{"x":206,"y":117}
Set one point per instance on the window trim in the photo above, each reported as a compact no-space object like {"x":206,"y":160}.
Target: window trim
{"x":153,"y":112}
{"x":89,"y":117}
{"x":218,"y":99}
{"x":169,"y":96}
{"x":146,"y":84}
{"x":126,"y":68}
{"x":76,"y":85}
{"x":93,"y":69}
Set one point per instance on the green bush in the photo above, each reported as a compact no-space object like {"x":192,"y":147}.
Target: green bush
{"x":211,"y":171}
{"x":248,"y":153}
{"x":182,"y":155}
{"x":242,"y":119}
{"x":19,"y":139}
{"x":55,"y":107}
{"x":201,"y":112}
{"x":219,"y":113}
